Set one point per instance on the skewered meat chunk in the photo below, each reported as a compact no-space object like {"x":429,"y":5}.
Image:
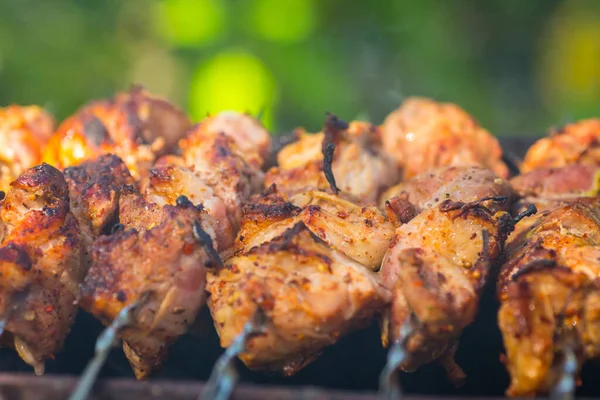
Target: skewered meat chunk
{"x":24,"y":131}
{"x":94,"y":189}
{"x":134,"y":125}
{"x":352,"y":153}
{"x":248,"y":134}
{"x":550,"y":295}
{"x":39,"y":265}
{"x":158,"y":261}
{"x":461,"y":183}
{"x":437,"y":266}
{"x":423,"y":134}
{"x":577,"y":143}
{"x":310,"y":292}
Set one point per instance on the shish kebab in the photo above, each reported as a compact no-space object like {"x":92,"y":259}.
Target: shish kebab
{"x":548,"y":287}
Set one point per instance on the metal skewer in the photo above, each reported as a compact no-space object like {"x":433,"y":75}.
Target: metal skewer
{"x":103,"y":345}
{"x":389,"y":384}
{"x":224,"y":376}
{"x":565,"y":388}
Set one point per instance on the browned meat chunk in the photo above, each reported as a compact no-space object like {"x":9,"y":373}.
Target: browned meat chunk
{"x":423,"y":134}
{"x":39,"y":265}
{"x":134,"y":125}
{"x":577,"y":143}
{"x":159,"y":261}
{"x":361,"y":169}
{"x":24,"y":131}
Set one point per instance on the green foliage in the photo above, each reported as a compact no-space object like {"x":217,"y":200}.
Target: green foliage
{"x":297,"y":59}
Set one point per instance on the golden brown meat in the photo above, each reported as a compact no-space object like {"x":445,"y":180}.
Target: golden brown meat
{"x":437,"y":265}
{"x":249,"y":135}
{"x":466,"y":184}
{"x":361,"y":169}
{"x":423,"y":134}
{"x":575,"y":143}
{"x":134,"y":125}
{"x":311,"y":293}
{"x":94,"y":189}
{"x":549,"y":290}
{"x":233,"y":175}
{"x":39,"y":265}
{"x":24,"y":131}
{"x":159,"y":261}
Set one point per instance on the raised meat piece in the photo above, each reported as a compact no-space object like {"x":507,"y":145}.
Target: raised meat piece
{"x":39,"y":265}
{"x":94,"y":189}
{"x":134,"y":125}
{"x":24,"y":131}
{"x":577,"y":143}
{"x":549,"y":291}
{"x":423,"y":134}
{"x":438,"y":263}
{"x":311,"y":293}
{"x":344,"y":159}
{"x":159,"y":262}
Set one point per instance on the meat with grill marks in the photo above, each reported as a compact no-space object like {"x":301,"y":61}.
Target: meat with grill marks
{"x":24,"y":131}
{"x":158,"y":261}
{"x":39,"y":265}
{"x":576,"y":143}
{"x":94,"y":190}
{"x":344,"y":158}
{"x":423,"y":134}
{"x":310,"y":287}
{"x":549,"y":289}
{"x":212,"y":171}
{"x":439,"y":261}
{"x":134,"y":125}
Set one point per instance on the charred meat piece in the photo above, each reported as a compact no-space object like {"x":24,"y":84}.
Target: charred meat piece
{"x":159,"y":261}
{"x":311,"y":295}
{"x":134,"y":125}
{"x":577,"y":143}
{"x":344,"y":158}
{"x":436,"y":268}
{"x":423,"y":134}
{"x":466,"y":184}
{"x":251,"y":138}
{"x":167,"y":182}
{"x":39,"y":265}
{"x":232,"y":174}
{"x":94,"y":189}
{"x":549,"y":289}
{"x":361,"y":233}
{"x":24,"y":131}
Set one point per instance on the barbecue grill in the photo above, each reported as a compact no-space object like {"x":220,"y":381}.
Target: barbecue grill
{"x":347,"y":370}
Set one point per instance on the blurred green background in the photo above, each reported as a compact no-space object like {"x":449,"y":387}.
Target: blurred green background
{"x":518,"y":66}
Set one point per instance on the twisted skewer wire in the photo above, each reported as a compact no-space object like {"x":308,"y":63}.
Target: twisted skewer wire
{"x":389,"y":384}
{"x":565,"y":387}
{"x":103,"y":345}
{"x":224,"y":376}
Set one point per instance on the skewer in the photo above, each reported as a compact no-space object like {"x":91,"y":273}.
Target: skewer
{"x":389,"y":384}
{"x":565,"y":388}
{"x":224,"y":376}
{"x":103,"y":345}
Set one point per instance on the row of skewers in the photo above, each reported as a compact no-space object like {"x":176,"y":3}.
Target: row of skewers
{"x":140,"y":218}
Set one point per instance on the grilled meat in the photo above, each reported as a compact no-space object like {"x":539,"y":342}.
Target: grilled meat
{"x":423,"y":134}
{"x":311,"y":292}
{"x":466,"y":184}
{"x":549,"y":290}
{"x":24,"y":131}
{"x":94,"y":189}
{"x":134,"y":125}
{"x":577,"y":143}
{"x":159,"y":261}
{"x":351,"y":154}
{"x":249,"y":135}
{"x":39,"y":261}
{"x":438,"y":264}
